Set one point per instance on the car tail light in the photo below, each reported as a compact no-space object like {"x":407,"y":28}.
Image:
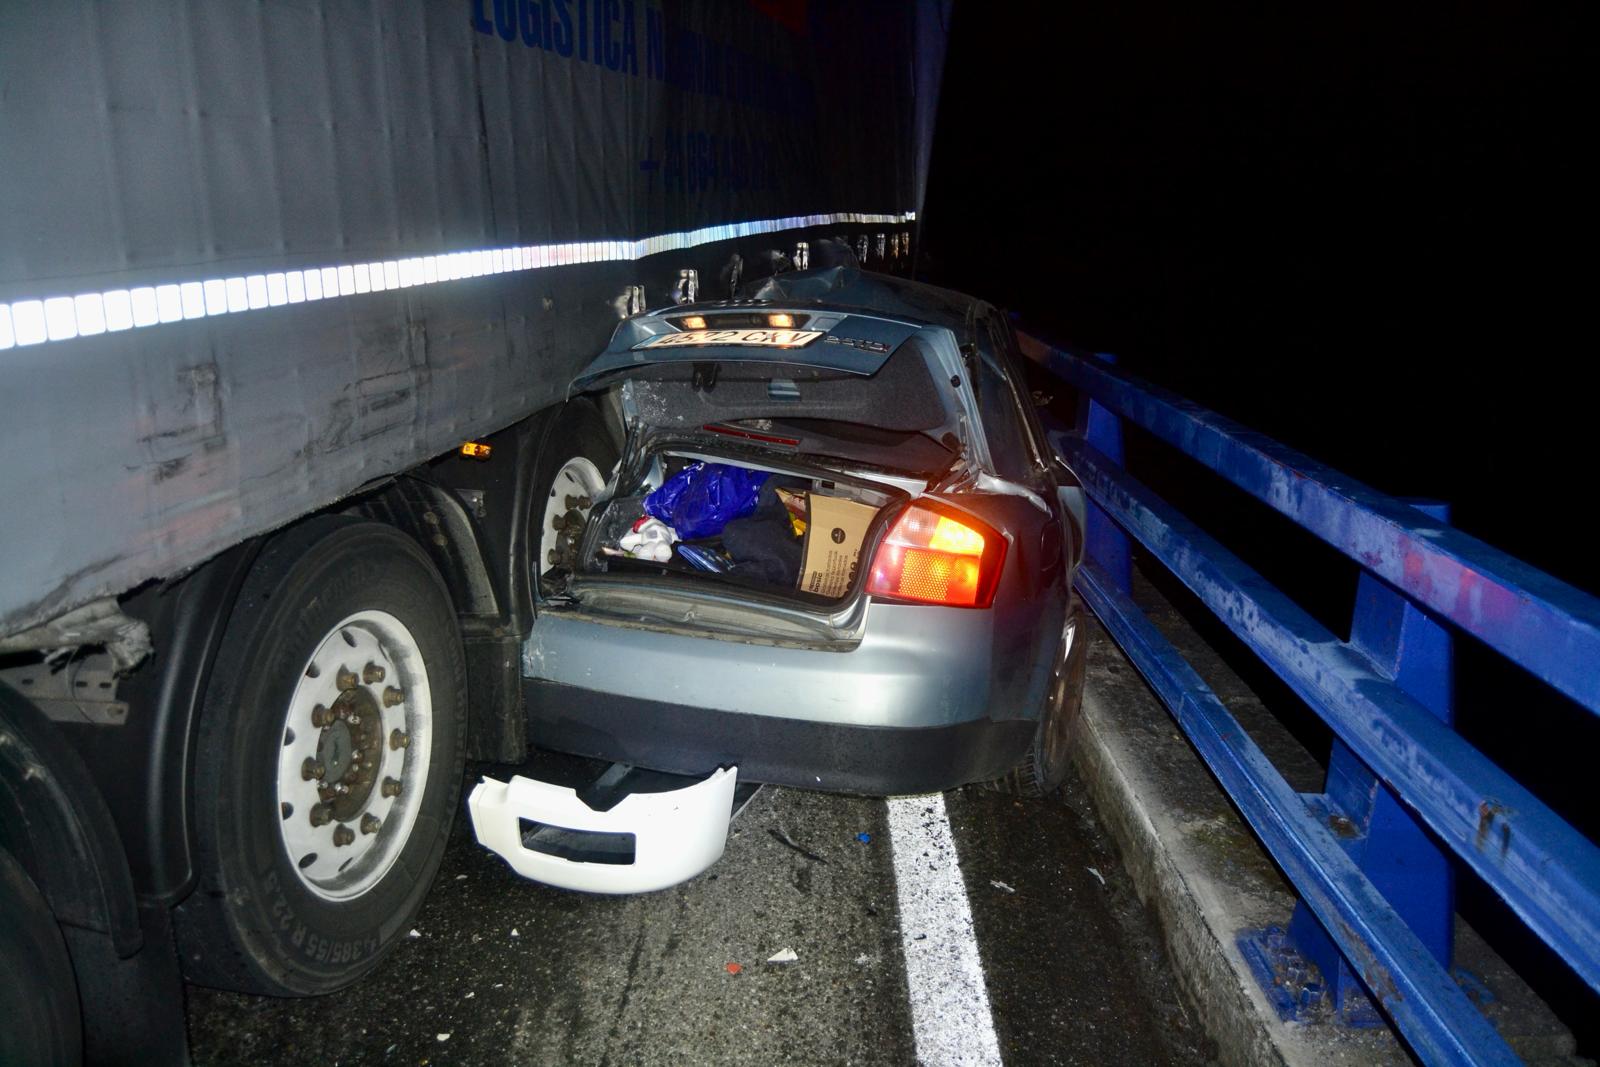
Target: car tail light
{"x":934,"y":557}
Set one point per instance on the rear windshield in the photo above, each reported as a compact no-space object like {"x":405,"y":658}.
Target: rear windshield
{"x":867,"y":446}
{"x":901,"y":396}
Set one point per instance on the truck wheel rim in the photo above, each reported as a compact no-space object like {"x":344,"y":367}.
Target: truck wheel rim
{"x":353,"y":764}
{"x":566,"y":510}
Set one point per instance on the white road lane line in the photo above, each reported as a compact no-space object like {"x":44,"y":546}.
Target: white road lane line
{"x":949,"y":1003}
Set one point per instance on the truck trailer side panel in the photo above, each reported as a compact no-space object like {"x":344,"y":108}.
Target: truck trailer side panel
{"x":254,"y":256}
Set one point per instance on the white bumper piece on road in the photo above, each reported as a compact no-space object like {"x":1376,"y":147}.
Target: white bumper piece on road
{"x":676,"y":834}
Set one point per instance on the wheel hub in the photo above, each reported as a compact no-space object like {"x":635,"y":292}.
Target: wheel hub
{"x":349,"y":749}
{"x":569,"y":530}
{"x":333,"y":752}
{"x":566,"y":512}
{"x":355,"y":755}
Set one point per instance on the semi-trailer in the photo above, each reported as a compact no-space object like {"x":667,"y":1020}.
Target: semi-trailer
{"x":288,"y":289}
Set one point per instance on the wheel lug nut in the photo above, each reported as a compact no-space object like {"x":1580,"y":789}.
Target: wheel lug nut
{"x":558,"y":521}
{"x":399,"y":739}
{"x":312,"y":768}
{"x":343,"y":835}
{"x":321,"y":716}
{"x":341,"y":789}
{"x":355,"y":720}
{"x":393,"y":696}
{"x":346,"y":679}
{"x":550,"y":557}
{"x":370,"y":824}
{"x":321,"y":814}
{"x":390,"y":787}
{"x":372,"y":673}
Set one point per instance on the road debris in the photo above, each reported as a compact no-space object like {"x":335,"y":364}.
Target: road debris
{"x":783,"y":955}
{"x":514,"y":932}
{"x":442,"y":1037}
{"x":733,"y":968}
{"x":788,"y":842}
{"x":414,"y":934}
{"x":1097,"y":874}
{"x":1001,"y":886}
{"x":864,"y":837}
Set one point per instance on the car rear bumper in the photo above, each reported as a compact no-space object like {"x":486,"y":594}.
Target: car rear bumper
{"x":914,"y":707}
{"x":830,"y":756}
{"x":914,"y":666}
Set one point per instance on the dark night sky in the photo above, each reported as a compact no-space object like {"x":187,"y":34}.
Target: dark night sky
{"x":1369,"y":232}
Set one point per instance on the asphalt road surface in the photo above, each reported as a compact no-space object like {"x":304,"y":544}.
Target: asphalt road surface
{"x":967,"y":928}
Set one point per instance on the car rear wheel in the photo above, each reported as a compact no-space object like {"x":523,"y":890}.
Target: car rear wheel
{"x":329,"y":762}
{"x":1043,"y":766}
{"x":575,"y":465}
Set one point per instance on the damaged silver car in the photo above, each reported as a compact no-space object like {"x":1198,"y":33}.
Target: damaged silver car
{"x":888,"y":607}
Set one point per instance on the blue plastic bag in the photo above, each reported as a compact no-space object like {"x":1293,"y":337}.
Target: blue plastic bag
{"x":699,"y":500}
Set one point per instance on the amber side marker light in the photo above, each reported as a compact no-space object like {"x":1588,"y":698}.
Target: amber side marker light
{"x":476,"y":449}
{"x":931,"y":557}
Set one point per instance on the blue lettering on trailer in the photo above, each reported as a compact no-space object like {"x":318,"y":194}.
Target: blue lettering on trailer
{"x":606,"y":34}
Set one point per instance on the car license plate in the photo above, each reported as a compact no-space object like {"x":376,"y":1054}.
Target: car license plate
{"x":752,"y":338}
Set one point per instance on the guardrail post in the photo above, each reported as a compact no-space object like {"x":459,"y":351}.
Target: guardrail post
{"x":1104,"y":541}
{"x":1403,"y":862}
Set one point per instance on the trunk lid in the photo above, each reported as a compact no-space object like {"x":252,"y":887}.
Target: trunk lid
{"x":825,"y":369}
{"x":845,"y":342}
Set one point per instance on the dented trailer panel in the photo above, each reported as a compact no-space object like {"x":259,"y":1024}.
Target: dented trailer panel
{"x":254,"y":257}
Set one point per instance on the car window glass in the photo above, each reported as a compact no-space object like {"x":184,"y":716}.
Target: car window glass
{"x":1002,"y":423}
{"x":1012,"y":359}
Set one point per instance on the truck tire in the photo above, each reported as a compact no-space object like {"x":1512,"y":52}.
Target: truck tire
{"x":38,"y":994}
{"x":1043,"y":766}
{"x":329,"y":762}
{"x":574,"y":465}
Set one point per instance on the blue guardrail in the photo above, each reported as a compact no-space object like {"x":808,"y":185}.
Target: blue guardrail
{"x":1376,"y":900}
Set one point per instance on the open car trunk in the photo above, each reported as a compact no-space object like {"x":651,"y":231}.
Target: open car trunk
{"x":754,"y":486}
{"x":780,"y":530}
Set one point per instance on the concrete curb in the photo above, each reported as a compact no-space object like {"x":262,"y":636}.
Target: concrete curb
{"x":1196,"y":865}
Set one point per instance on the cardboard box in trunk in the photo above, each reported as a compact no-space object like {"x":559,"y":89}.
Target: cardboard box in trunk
{"x":835,"y":529}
